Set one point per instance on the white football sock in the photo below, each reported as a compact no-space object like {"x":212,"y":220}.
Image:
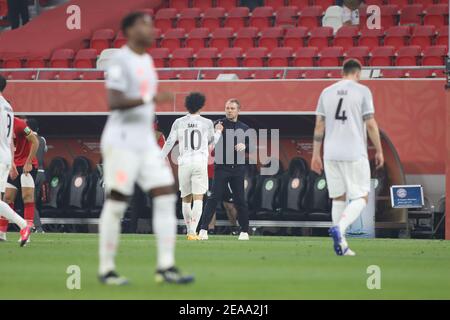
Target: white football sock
{"x":109,"y":233}
{"x":196,"y":214}
{"x":187,"y":215}
{"x":11,"y":215}
{"x":351,"y":213}
{"x":336,"y":211}
{"x":165,"y":228}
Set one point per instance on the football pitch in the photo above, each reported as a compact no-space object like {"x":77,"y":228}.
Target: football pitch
{"x":225,"y":268}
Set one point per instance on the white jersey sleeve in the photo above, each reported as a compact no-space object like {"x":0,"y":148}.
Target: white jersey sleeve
{"x":367,"y":102}
{"x":6,"y":131}
{"x":117,"y":77}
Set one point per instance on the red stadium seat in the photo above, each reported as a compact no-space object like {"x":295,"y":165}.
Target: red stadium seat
{"x":196,"y":39}
{"x":212,"y":18}
{"x":434,"y":56}
{"x":397,"y":36}
{"x":419,"y":73}
{"x":213,"y":74}
{"x":393,"y":73}
{"x":399,"y":3}
{"x":62,"y":58}
{"x":435,"y":15}
{"x":69,"y":75}
{"x":164,"y":18}
{"x":160,"y":56}
{"x":310,"y":16}
{"x":304,"y":57}
{"x":274,"y":3}
{"x":12,"y":63}
{"x":188,"y":74}
{"x":442,"y":36}
{"x":279,"y":57}
{"x":236,"y":18}
{"x":315,"y":74}
{"x":345,"y":36}
{"x":221,"y":38}
{"x":188,"y":18}
{"x":295,"y":37}
{"x":293,"y":74}
{"x":227,"y":4}
{"x":181,"y":58}
{"x":371,"y":37}
{"x":172,"y":38}
{"x":267,"y":74}
{"x":324,"y":3}
{"x":389,"y":15}
{"x":86,"y":58}
{"x":270,"y":37}
{"x":286,"y":16}
{"x":178,"y":4}
{"x":423,"y":36}
{"x":331,"y":57}
{"x":120,"y":40}
{"x":254,"y":57}
{"x":411,"y":14}
{"x":167,"y":74}
{"x":359,"y":53}
{"x":102,"y":39}
{"x":261,"y":17}
{"x":229,"y":57}
{"x":48,"y":75}
{"x":205,"y":57}
{"x":92,"y":75}
{"x":375,"y":2}
{"x":299,"y":3}
{"x":202,"y":4}
{"x":21,"y":75}
{"x":320,"y":37}
{"x":245,"y":38}
{"x":35,"y":63}
{"x":334,"y":74}
{"x":408,"y":56}
{"x":381,"y":56}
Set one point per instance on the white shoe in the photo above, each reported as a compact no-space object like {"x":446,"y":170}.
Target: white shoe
{"x":203,"y":235}
{"x":2,"y":236}
{"x":349,"y":252}
{"x":243,"y":236}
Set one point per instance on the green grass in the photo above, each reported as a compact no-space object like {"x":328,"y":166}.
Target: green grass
{"x":263,"y":268}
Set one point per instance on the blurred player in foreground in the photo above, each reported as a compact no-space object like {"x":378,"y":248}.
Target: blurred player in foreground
{"x":131,"y":155}
{"x":345,"y":114}
{"x":195,"y":134}
{"x":6,"y":163}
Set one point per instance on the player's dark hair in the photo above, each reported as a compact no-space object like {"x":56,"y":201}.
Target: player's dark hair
{"x":2,"y":83}
{"x":194,"y":102}
{"x":33,"y":124}
{"x":351,"y":66}
{"x":130,"y":19}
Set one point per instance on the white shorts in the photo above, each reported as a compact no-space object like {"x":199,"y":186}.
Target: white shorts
{"x":122,"y":168}
{"x":4,"y":173}
{"x":348,"y":177}
{"x":193,"y":178}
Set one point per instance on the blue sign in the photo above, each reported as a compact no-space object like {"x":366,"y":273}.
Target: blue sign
{"x":407,"y":196}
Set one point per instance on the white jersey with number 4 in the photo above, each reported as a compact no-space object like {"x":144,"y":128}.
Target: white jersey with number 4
{"x":344,"y":104}
{"x":6,"y":130}
{"x":134,"y":75}
{"x":194,"y":133}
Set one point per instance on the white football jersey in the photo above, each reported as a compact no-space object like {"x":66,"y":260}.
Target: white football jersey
{"x":194,"y":133}
{"x":6,"y":130}
{"x":135,"y":76}
{"x":344,"y":104}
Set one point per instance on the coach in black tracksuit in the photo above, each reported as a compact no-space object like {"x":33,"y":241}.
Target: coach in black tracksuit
{"x":229,"y":169}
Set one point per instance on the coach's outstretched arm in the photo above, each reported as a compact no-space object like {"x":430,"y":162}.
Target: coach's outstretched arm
{"x":374,"y":135}
{"x":319,"y":134}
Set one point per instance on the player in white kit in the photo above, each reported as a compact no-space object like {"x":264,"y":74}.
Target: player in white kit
{"x":194,"y":134}
{"x":6,"y":159}
{"x":345,"y":114}
{"x":131,"y":154}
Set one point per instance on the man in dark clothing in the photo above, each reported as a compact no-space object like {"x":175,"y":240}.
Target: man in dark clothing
{"x":18,"y":9}
{"x":229,"y":169}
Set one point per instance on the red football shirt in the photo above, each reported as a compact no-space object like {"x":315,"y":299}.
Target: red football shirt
{"x":23,"y":146}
